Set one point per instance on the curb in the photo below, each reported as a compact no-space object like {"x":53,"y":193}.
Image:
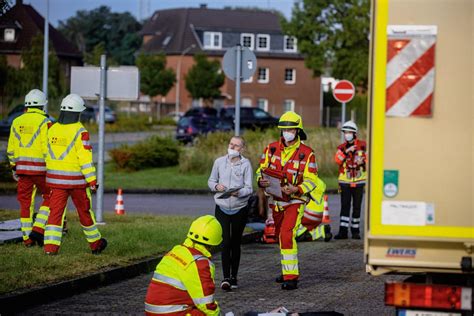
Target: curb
{"x":18,"y":301}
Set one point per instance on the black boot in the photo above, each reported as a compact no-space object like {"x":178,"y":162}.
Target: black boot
{"x":37,"y":238}
{"x":102,"y":246}
{"x":279,"y":279}
{"x":289,"y":285}
{"x":342,"y":233}
{"x":355,"y":235}
{"x":327,"y":233}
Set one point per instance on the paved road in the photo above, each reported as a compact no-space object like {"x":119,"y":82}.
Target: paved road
{"x":333,"y":278}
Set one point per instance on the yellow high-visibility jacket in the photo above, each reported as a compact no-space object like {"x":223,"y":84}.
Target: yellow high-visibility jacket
{"x":27,"y":144}
{"x":183,"y":283}
{"x":69,"y":160}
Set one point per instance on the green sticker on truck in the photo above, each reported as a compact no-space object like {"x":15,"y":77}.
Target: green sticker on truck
{"x":390,"y":183}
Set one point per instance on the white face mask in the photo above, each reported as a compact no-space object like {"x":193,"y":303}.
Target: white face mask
{"x":232,"y":153}
{"x":348,"y":137}
{"x":288,"y":136}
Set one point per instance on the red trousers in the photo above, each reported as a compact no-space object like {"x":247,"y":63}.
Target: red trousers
{"x":25,"y":188}
{"x":58,"y":204}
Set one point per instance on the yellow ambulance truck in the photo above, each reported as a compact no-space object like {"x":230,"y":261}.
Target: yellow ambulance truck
{"x":420,"y":196}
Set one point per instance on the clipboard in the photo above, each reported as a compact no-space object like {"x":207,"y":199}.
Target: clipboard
{"x":275,"y":183}
{"x":227,"y":194}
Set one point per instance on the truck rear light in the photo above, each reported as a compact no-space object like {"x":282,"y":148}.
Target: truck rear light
{"x":428,"y":296}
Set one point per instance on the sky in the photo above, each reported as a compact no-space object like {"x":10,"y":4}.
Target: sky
{"x":61,"y":10}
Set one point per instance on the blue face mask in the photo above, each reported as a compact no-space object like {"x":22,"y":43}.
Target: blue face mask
{"x":232,"y":153}
{"x":348,"y":137}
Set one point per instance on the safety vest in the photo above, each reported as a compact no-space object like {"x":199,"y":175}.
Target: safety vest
{"x":69,"y":160}
{"x":295,"y":164}
{"x":27,"y":148}
{"x":315,"y":207}
{"x":350,"y":171}
{"x":183,"y":282}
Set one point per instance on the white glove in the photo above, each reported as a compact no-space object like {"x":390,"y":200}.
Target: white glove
{"x":15,"y":176}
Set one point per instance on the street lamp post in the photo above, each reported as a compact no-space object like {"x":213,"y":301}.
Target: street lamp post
{"x":178,"y":76}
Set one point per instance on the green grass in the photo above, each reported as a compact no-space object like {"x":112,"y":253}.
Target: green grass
{"x":154,"y":178}
{"x":130,"y":237}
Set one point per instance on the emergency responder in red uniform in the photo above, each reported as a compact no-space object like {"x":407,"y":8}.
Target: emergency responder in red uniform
{"x":70,"y":172}
{"x":293,"y":163}
{"x":351,"y":158}
{"x":311,"y":227}
{"x":26,"y":151}
{"x":183,"y":282}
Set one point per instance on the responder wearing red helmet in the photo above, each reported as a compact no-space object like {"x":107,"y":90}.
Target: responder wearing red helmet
{"x":351,"y":158}
{"x":183,"y":282}
{"x":26,"y":151}
{"x":293,"y":163}
{"x":71,"y":172}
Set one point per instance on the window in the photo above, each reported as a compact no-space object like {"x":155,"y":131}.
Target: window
{"x":288,"y":105}
{"x":290,"y":44}
{"x":260,"y":114}
{"x":263,"y":42}
{"x":9,"y":35}
{"x":246,"y":102}
{"x":246,"y":40}
{"x":263,"y":75}
{"x":262,"y":104}
{"x":290,"y":76}
{"x":212,"y":40}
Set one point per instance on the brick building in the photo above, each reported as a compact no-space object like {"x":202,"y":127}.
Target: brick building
{"x":281,"y":81}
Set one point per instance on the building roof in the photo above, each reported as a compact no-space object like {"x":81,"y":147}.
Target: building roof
{"x":29,"y":23}
{"x":175,"y":30}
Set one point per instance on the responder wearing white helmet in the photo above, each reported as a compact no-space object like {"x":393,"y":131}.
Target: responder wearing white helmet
{"x":26,"y":151}
{"x":71,"y":172}
{"x":351,"y":157}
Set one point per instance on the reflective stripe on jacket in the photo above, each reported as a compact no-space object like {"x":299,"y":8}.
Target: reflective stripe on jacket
{"x":297,"y":164}
{"x":69,"y":159}
{"x":27,"y":144}
{"x":352,"y":164}
{"x":183,"y":282}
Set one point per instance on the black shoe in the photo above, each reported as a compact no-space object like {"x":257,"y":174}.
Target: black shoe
{"x":306,"y":236}
{"x":289,"y":285}
{"x":225,"y":285}
{"x":356,"y":236}
{"x":102,"y":246}
{"x":279,"y":279}
{"x":233,"y":283}
{"x":327,"y":233}
{"x":341,"y":236}
{"x":37,"y":238}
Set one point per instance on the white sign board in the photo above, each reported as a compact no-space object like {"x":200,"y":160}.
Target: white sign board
{"x":410,"y":213}
{"x":123,"y":83}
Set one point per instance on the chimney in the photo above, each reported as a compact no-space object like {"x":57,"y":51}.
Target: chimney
{"x":203,"y":6}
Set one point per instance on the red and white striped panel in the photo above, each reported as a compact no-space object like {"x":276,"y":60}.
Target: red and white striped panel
{"x":410,"y":70}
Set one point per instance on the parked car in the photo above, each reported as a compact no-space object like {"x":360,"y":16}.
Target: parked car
{"x":250,"y":117}
{"x":91,"y":114}
{"x":189,"y":127}
{"x":6,"y":123}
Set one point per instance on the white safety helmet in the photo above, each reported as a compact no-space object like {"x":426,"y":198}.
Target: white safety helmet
{"x":72,"y":103}
{"x":35,"y":98}
{"x":349,"y":126}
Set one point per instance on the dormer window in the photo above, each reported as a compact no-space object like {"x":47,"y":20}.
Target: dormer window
{"x":290,"y":44}
{"x":247,"y":40}
{"x":213,"y":40}
{"x":263,"y":42}
{"x":9,"y":35}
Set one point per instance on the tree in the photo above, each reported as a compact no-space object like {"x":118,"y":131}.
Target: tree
{"x":155,"y":78}
{"x":93,"y":58}
{"x":204,"y":79}
{"x":333,"y":35}
{"x":117,"y":31}
{"x":32,"y":71}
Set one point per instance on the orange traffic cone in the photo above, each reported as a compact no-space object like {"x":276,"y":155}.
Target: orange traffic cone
{"x":119,"y":208}
{"x":326,"y":210}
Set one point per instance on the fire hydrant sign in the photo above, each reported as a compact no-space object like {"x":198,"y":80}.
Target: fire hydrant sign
{"x":343,"y":91}
{"x":410,"y":70}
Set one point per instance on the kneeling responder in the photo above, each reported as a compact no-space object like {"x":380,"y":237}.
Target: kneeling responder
{"x":293,"y":163}
{"x":311,"y":227}
{"x":71,"y":172}
{"x":183,"y":282}
{"x":26,"y":152}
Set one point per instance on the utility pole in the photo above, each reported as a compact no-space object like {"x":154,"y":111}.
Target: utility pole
{"x":45,"y":54}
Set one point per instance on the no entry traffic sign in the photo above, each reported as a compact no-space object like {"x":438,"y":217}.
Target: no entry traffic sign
{"x":343,"y":91}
